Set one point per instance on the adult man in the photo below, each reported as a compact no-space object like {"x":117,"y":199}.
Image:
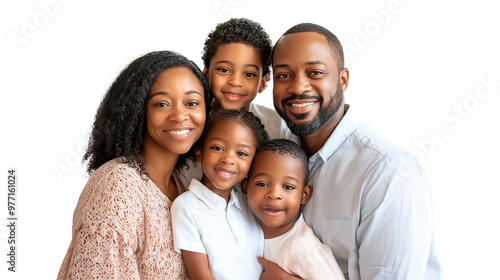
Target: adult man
{"x":371,"y":202}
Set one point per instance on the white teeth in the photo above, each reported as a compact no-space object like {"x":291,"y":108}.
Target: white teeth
{"x":301,"y":104}
{"x":179,"y":132}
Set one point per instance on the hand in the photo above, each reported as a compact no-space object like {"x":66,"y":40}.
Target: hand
{"x":272,"y":271}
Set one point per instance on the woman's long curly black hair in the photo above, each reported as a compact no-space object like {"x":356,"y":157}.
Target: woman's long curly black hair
{"x":120,"y":121}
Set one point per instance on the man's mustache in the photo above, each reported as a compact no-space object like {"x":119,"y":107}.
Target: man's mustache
{"x":301,"y":97}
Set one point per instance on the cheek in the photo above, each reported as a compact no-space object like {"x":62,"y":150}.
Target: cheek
{"x":216,"y":81}
{"x":199,"y":117}
{"x":254,"y":198}
{"x":326,"y":87}
{"x":152,"y":120}
{"x":277,"y":93}
{"x":245,"y":167}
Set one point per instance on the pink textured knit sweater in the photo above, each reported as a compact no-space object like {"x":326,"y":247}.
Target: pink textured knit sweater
{"x":122,"y":229}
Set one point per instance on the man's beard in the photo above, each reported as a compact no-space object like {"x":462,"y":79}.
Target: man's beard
{"x":323,"y":115}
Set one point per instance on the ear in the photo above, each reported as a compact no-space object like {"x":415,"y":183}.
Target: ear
{"x":344,"y":78}
{"x":244,"y":186}
{"x":205,"y":71}
{"x":306,"y":194}
{"x":263,"y":83}
{"x":197,"y":154}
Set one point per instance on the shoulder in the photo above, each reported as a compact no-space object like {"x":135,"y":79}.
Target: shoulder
{"x":189,"y":202}
{"x":376,"y":151}
{"x":114,"y":185}
{"x":184,"y":200}
{"x":266,"y":115}
{"x":262,"y":110}
{"x":273,"y":123}
{"x":116,"y":170}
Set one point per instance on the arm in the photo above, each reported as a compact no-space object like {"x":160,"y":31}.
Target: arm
{"x":99,"y":253}
{"x":395,"y":230}
{"x":272,"y":271}
{"x":104,"y":242}
{"x":197,"y":265}
{"x":187,"y":241}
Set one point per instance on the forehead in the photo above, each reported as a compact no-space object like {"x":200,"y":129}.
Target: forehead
{"x":231,"y":130}
{"x":302,"y":47}
{"x":274,"y":163}
{"x":176,"y":77}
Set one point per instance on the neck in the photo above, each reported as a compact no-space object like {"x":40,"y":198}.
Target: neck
{"x":312,"y":143}
{"x":160,"y":166}
{"x":224,"y":193}
{"x":273,"y":232}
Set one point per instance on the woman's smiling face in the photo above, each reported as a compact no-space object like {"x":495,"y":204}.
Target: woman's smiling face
{"x":175,"y":111}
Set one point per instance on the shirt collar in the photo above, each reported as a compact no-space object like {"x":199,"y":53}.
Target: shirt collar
{"x":211,"y":199}
{"x":344,"y":129}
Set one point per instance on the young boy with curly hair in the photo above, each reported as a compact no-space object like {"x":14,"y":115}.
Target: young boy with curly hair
{"x":237,"y":60}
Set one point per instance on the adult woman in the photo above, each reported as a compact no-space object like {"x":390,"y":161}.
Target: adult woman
{"x":144,"y":129}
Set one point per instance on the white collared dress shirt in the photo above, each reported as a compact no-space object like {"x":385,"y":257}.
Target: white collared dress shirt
{"x":372,"y":205}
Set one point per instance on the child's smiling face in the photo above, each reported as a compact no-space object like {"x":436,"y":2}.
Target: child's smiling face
{"x":235,"y":75}
{"x":227,"y":155}
{"x":276,"y":190}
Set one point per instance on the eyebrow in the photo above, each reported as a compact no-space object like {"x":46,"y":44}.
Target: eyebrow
{"x":230,"y":62}
{"x":314,"y":62}
{"x":268,"y":174}
{"x":166,"y":93}
{"x":225,"y":141}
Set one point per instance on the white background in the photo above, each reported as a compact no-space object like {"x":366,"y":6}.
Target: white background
{"x":419,"y":73}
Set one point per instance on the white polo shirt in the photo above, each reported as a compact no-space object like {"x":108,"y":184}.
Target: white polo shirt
{"x":228,"y":234}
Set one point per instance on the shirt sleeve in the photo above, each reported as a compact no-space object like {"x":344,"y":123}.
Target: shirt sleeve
{"x":312,"y":260}
{"x":395,"y":231}
{"x":186,"y":233}
{"x":104,"y":242}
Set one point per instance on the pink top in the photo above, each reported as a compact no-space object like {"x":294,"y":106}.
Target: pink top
{"x":122,"y":229}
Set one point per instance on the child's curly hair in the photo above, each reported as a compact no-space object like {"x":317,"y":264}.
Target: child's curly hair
{"x":120,"y":121}
{"x":286,"y":147}
{"x":246,"y":118}
{"x":239,"y":30}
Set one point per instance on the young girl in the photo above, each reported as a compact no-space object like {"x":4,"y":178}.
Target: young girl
{"x":215,"y":231}
{"x":148,"y":120}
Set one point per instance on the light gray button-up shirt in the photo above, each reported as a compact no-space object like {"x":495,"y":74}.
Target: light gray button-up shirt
{"x":372,"y":205}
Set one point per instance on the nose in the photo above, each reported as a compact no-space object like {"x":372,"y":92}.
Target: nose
{"x":226,"y":158}
{"x":299,"y":85}
{"x":178,"y":113}
{"x":235,"y":80}
{"x":273,"y":193}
